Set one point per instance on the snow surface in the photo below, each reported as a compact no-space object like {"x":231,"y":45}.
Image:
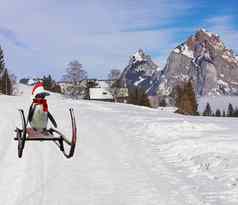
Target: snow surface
{"x":125,"y":154}
{"x":102,"y":84}
{"x":234,"y":83}
{"x":31,"y":82}
{"x":138,"y":56}
{"x":100,"y":94}
{"x":221,"y":82}
{"x":139,"y":81}
{"x":176,"y":50}
{"x":187,"y":52}
{"x":208,"y":33}
{"x":101,"y":91}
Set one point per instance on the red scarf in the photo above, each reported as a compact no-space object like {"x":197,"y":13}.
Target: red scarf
{"x":43,"y":102}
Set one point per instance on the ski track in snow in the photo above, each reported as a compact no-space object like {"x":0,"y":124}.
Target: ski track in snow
{"x":125,"y":154}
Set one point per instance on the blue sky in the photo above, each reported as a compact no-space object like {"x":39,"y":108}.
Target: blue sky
{"x":42,"y":37}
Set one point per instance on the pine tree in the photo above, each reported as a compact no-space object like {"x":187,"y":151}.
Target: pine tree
{"x":178,"y":96}
{"x":218,"y":113}
{"x":133,"y":96}
{"x":6,"y":84}
{"x":50,"y":84}
{"x":163,"y":103}
{"x":56,"y":88}
{"x":208,"y":110}
{"x":2,"y":63}
{"x":144,"y":101}
{"x":230,"y":110}
{"x":5,"y":81}
{"x":24,"y":81}
{"x":186,"y":99}
{"x":224,"y":113}
{"x":138,"y":97}
{"x":235,"y":113}
{"x":192,"y":97}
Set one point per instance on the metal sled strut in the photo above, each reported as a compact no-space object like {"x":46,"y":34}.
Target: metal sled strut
{"x":28,"y":134}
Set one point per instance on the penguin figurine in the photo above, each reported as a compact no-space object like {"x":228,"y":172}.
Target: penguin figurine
{"x":39,"y":114}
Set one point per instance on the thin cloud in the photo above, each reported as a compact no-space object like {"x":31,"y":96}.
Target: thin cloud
{"x":101,"y":34}
{"x":12,"y":37}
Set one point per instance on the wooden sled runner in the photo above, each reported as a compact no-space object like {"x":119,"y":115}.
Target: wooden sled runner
{"x":24,"y":134}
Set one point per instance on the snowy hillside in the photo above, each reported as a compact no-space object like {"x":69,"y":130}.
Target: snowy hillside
{"x":125,"y":155}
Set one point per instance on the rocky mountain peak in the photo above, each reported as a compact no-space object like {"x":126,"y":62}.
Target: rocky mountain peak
{"x":142,"y":63}
{"x":140,"y":75}
{"x":139,"y":56}
{"x":207,"y":38}
{"x":204,"y":58}
{"x":208,"y":45}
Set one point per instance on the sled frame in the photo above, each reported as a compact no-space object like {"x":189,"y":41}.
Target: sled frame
{"x":24,"y":134}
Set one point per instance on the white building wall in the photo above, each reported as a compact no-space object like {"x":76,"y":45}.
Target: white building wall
{"x":100,"y":94}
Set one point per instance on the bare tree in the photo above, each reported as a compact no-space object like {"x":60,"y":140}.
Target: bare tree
{"x":13,"y":79}
{"x":114,"y":74}
{"x":75,"y":72}
{"x":75,"y":76}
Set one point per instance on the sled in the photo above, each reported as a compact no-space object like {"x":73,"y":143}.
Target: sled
{"x":25,"y":133}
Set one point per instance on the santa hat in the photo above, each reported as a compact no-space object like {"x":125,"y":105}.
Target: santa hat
{"x":38,"y":89}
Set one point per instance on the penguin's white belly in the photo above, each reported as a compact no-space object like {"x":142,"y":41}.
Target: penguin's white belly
{"x":39,"y":118}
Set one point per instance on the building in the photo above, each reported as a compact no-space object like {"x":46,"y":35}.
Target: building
{"x":90,"y":89}
{"x":101,"y":90}
{"x":64,"y":85}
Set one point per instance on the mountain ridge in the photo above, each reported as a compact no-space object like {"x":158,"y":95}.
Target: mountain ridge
{"x":204,"y":59}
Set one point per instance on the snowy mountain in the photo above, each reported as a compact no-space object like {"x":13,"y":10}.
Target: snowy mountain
{"x":204,"y":59}
{"x":140,"y":74}
{"x":125,"y":154}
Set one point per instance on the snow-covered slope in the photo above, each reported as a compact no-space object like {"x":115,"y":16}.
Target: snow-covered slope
{"x":125,"y":155}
